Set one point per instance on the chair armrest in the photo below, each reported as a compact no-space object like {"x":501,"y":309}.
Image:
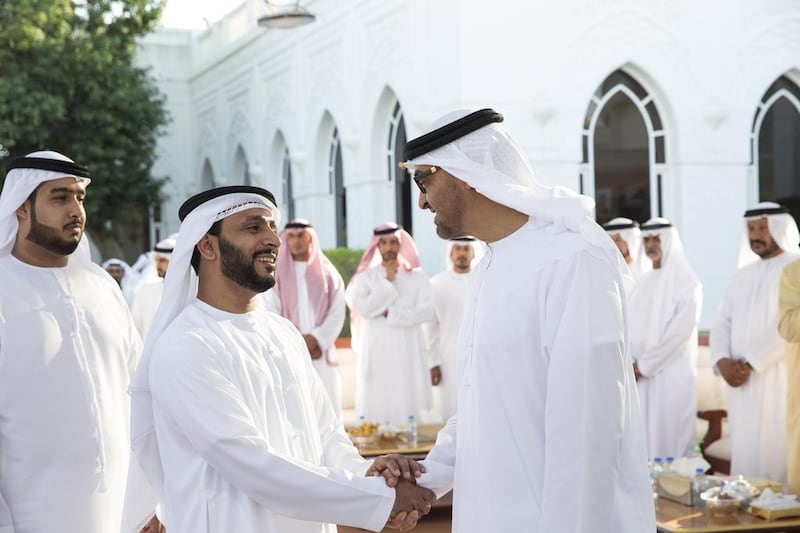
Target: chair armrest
{"x":714,"y":418}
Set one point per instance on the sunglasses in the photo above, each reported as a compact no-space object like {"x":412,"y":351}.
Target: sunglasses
{"x":419,"y":176}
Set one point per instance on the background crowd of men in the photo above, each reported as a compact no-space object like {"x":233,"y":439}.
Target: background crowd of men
{"x":748,"y":340}
{"x":234,"y":397}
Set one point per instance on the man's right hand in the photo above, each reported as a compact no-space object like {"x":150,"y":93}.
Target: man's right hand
{"x":735,"y":372}
{"x":412,"y":500}
{"x":313,"y":346}
{"x":153,"y":526}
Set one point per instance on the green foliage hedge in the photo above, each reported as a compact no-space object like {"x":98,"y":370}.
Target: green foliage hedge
{"x":346,"y":261}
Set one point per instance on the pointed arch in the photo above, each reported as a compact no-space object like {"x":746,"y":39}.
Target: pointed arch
{"x":623,"y":150}
{"x":207,"y":179}
{"x":240,"y":172}
{"x":390,"y":126}
{"x":283,"y":168}
{"x":331,"y":160}
{"x":775,"y":145}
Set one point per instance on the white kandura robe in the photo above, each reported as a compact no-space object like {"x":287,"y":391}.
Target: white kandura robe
{"x":450,"y":301}
{"x":393,"y":379}
{"x":145,"y":304}
{"x":746,"y":327}
{"x":326,"y":332}
{"x":663,"y":312}
{"x":68,"y":348}
{"x":248,"y":440}
{"x":548,"y":436}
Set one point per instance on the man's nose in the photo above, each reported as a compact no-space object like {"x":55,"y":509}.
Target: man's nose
{"x":271,"y":237}
{"x":422,"y":201}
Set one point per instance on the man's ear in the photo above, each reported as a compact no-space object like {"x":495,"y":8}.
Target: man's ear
{"x":208,"y":247}
{"x":24,"y":211}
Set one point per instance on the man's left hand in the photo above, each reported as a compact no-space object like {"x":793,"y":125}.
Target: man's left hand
{"x":394,"y":466}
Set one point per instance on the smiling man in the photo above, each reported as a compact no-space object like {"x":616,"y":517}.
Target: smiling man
{"x":548,"y":434}
{"x":747,"y":349}
{"x":231,"y":423}
{"x":68,"y":347}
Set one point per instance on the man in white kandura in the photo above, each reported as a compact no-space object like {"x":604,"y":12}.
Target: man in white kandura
{"x":628,"y":237}
{"x":148,"y":293}
{"x":67,"y":350}
{"x":746,"y":348}
{"x":230,"y":421}
{"x":122,"y":274}
{"x":548,"y":435}
{"x":391,"y":298}
{"x":663,"y":312}
{"x":309,"y":291}
{"x":451,"y":290}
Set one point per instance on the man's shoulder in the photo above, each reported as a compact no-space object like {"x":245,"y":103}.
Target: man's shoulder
{"x":150,"y":287}
{"x":792,"y":268}
{"x":188,"y":333}
{"x":538,"y":246}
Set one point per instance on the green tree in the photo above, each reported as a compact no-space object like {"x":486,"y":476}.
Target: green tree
{"x":68,"y":83}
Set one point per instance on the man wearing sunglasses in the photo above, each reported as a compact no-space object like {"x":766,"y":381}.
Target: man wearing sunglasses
{"x":549,"y":433}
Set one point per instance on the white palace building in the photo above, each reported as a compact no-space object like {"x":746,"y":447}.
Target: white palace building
{"x":688,"y":109}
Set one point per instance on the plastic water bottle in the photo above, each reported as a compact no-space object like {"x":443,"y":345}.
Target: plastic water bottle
{"x":668,"y":465}
{"x":411,"y":431}
{"x":655,"y":470}
{"x":699,"y":486}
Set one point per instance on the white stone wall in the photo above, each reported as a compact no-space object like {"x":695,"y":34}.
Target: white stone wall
{"x":706,"y":65}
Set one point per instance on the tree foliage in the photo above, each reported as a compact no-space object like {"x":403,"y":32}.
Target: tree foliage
{"x":68,"y":83}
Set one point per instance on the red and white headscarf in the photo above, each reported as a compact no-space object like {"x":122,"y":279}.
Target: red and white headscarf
{"x":322,"y":279}
{"x":407,"y":256}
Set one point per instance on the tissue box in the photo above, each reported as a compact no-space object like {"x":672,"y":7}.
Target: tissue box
{"x":675,"y":487}
{"x":775,"y":514}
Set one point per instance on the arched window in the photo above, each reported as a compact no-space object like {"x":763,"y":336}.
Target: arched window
{"x":337,"y":189}
{"x":241,"y":170}
{"x":623,"y":150}
{"x":775,"y":142}
{"x":207,"y":177}
{"x":286,"y":184}
{"x":395,"y":148}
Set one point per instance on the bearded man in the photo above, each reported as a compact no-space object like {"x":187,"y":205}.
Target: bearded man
{"x":746,"y":348}
{"x":68,"y":348}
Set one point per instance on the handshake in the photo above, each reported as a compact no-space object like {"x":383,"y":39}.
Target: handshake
{"x":411,"y":501}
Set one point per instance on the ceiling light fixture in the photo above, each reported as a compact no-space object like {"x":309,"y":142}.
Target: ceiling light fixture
{"x":285,"y":17}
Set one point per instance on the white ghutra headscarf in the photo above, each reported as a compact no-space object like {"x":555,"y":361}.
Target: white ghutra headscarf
{"x":20,"y":183}
{"x":782,"y":227}
{"x":491,"y":162}
{"x":180,"y":288}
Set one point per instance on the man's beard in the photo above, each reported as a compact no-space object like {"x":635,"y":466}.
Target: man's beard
{"x":462,"y":263}
{"x":767,"y":251}
{"x":49,"y":239}
{"x":239,"y":268}
{"x":653,"y":256}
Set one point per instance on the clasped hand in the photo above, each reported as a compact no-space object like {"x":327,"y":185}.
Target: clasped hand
{"x":411,"y":501}
{"x":736,"y":372}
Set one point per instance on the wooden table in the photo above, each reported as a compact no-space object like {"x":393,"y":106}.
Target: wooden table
{"x":673,"y":517}
{"x":425,"y":440}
